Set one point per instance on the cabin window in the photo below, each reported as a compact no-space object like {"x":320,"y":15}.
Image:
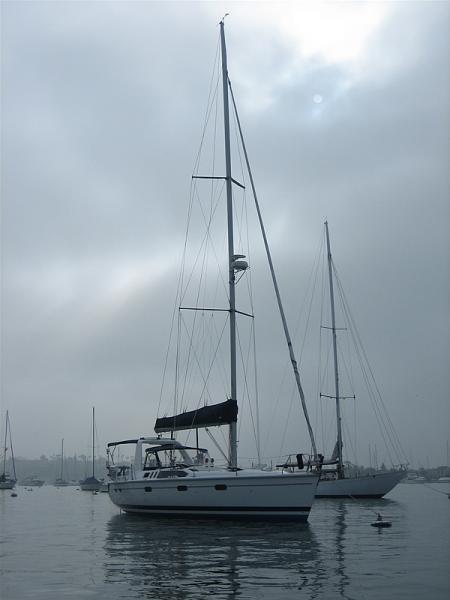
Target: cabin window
{"x":182,"y":488}
{"x":164,"y":474}
{"x":146,"y":475}
{"x":148,"y":489}
{"x":220,"y":486}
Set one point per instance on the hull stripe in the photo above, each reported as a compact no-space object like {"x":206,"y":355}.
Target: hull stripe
{"x":166,"y":508}
{"x":197,"y":485}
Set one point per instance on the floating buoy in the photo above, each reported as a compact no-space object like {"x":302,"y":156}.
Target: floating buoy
{"x":14,"y":495}
{"x":380,"y":523}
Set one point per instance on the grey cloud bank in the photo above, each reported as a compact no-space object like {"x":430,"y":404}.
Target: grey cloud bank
{"x":102,"y":107}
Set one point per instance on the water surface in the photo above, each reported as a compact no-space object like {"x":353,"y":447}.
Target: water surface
{"x":66,"y":544}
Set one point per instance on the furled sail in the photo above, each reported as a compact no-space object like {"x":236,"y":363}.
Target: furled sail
{"x":334,"y":457}
{"x":223,"y":413}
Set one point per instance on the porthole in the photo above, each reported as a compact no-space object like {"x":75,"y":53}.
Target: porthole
{"x":220,"y":487}
{"x":148,"y":489}
{"x":182,"y":488}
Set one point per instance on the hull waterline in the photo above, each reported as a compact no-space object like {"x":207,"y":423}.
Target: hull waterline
{"x":371,"y":486}
{"x":235,"y":496}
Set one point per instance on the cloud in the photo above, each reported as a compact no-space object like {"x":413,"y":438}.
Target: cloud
{"x":103,"y":105}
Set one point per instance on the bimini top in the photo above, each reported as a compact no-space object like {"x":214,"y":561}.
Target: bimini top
{"x":207,"y":416}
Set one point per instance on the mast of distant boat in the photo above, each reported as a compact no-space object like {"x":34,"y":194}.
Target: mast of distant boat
{"x":12,"y":451}
{"x":231,"y":258}
{"x":93,"y":441}
{"x":62,"y":460}
{"x":5,"y":447}
{"x":340,"y":465}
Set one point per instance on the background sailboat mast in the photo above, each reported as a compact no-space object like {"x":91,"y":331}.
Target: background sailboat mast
{"x":12,"y":449}
{"x":62,"y":459}
{"x":93,"y":441}
{"x":5,"y":447}
{"x":336,"y":371}
{"x":233,"y":426}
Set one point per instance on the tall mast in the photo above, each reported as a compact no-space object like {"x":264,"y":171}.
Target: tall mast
{"x":5,"y":447}
{"x":11,"y":447}
{"x":62,"y":459}
{"x":232,"y":459}
{"x":93,"y":441}
{"x":340,"y":465}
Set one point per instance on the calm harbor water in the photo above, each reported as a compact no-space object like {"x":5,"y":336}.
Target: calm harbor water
{"x":67,"y":544}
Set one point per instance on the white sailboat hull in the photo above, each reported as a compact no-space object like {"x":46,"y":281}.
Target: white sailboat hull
{"x":90,"y":487}
{"x":240,"y":494}
{"x":32,"y":482}
{"x":7,"y":484}
{"x":371,"y":486}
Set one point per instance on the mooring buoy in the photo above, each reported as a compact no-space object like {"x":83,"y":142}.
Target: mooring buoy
{"x":380,"y":523}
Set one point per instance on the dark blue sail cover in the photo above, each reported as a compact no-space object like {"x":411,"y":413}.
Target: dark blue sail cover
{"x":207,"y":416}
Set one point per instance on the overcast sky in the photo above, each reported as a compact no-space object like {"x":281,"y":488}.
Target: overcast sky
{"x":345,"y":109}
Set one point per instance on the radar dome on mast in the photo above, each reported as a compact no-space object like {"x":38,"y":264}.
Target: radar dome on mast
{"x":239,"y":265}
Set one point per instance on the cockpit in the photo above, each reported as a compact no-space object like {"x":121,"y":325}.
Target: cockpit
{"x":165,"y":456}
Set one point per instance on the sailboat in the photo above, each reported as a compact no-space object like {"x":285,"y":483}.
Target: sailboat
{"x":32,"y":481}
{"x":335,"y":482}
{"x":6,"y":481}
{"x":171,"y":478}
{"x":91,"y":484}
{"x":60,"y":481}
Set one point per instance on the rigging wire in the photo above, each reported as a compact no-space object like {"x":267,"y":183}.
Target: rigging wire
{"x":243,"y":223}
{"x":350,"y":442}
{"x":12,"y":450}
{"x":319,"y":364}
{"x":275,"y":283}
{"x":245,"y":370}
{"x":198,"y":344}
{"x":194,"y":321}
{"x":249,"y":280}
{"x":387,"y":430}
{"x":379,"y":408}
{"x":204,"y":377}
{"x":308,"y":294}
{"x":306,"y":305}
{"x":221,"y":362}
{"x":212,"y":93}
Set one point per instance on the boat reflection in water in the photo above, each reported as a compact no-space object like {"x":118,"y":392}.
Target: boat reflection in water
{"x":175,"y":559}
{"x":351,"y":548}
{"x":337,"y":555}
